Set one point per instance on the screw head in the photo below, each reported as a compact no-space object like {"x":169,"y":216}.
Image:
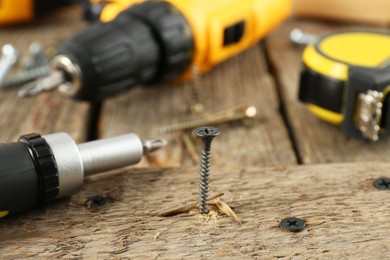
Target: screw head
{"x":207,"y":131}
{"x":382,"y":183}
{"x":9,"y":50}
{"x":292,"y":224}
{"x":97,"y":201}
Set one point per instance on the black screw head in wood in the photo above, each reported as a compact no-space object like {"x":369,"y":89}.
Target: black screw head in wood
{"x":382,"y":183}
{"x":292,"y":224}
{"x":97,"y":201}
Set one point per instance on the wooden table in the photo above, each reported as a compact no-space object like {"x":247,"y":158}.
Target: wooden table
{"x":285,"y":163}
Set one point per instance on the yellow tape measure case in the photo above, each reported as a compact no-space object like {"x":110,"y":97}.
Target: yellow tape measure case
{"x":344,"y":81}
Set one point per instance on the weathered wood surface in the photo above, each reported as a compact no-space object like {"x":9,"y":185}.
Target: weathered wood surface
{"x":48,"y":112}
{"x":242,"y":80}
{"x":346,"y":216}
{"x":316,"y":141}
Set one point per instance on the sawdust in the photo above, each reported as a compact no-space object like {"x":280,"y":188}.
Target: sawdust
{"x":216,"y":202}
{"x":183,"y":209}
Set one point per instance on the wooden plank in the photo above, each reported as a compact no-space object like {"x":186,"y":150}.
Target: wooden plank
{"x":346,"y":217}
{"x":347,"y":10}
{"x":242,"y":80}
{"x":48,"y":112}
{"x":316,"y":141}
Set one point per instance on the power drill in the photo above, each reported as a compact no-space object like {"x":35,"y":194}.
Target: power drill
{"x":154,"y":41}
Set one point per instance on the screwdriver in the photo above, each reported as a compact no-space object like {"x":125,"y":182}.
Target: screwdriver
{"x":39,"y":169}
{"x":154,"y":41}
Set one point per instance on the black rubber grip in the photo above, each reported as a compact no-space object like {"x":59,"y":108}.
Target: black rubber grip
{"x":146,"y":43}
{"x":321,"y":90}
{"x":28,"y":174}
{"x":19,"y":189}
{"x":173,"y":33}
{"x":45,"y":167}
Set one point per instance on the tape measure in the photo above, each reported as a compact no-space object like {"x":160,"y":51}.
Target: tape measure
{"x":345,"y":80}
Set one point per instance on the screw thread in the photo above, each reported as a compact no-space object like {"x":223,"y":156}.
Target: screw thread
{"x":25,"y":77}
{"x":204,"y":180}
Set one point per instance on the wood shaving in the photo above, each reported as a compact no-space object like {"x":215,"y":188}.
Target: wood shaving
{"x":224,"y":208}
{"x":184,"y":209}
{"x":157,"y":235}
{"x":213,"y":215}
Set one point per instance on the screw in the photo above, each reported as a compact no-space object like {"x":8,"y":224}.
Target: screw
{"x":292,"y":224}
{"x":207,"y":134}
{"x":36,"y":57}
{"x":299,"y":37}
{"x":9,"y":57}
{"x":236,"y":113}
{"x":382,"y":183}
{"x":97,"y":201}
{"x":26,"y":76}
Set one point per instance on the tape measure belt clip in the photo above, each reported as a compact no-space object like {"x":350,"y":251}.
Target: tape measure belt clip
{"x":367,"y":105}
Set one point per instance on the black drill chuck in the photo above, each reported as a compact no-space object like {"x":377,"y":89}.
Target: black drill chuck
{"x":146,"y":43}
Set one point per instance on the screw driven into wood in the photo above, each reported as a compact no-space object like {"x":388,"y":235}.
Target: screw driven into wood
{"x":207,"y":134}
{"x":292,"y":224}
{"x":382,"y":183}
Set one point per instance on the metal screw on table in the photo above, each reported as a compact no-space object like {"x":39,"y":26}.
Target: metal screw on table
{"x":36,"y":58}
{"x":382,"y":183}
{"x":292,"y":224}
{"x":207,"y":134}
{"x":26,"y":76}
{"x":9,"y":57}
{"x":236,"y":113}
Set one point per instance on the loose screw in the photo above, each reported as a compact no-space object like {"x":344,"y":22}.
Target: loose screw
{"x":292,"y":224}
{"x":8,"y":59}
{"x":36,"y":58}
{"x":233,"y":114}
{"x":207,"y":134}
{"x":26,"y":76}
{"x":382,"y":184}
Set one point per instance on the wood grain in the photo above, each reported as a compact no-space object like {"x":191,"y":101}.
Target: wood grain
{"x":376,"y":12}
{"x":346,"y":217}
{"x":242,"y":80}
{"x":317,"y":141}
{"x":48,"y":112}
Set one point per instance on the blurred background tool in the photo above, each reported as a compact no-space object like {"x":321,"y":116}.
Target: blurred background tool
{"x":155,"y":41}
{"x":39,"y":169}
{"x":20,"y":11}
{"x":346,"y":79}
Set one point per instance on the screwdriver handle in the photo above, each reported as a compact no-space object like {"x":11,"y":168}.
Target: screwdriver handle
{"x":39,"y":169}
{"x":28,"y":175}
